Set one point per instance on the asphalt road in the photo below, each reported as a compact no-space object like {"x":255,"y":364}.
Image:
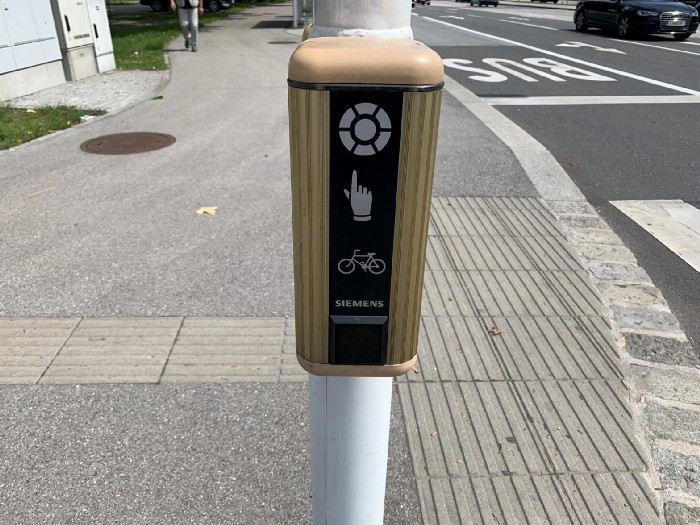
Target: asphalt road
{"x":539,"y":72}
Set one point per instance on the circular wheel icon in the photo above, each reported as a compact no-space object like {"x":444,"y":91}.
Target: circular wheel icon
{"x":365,"y":129}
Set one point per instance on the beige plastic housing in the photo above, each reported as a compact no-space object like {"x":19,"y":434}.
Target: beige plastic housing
{"x":415,"y":73}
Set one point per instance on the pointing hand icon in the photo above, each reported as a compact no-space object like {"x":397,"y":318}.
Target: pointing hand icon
{"x":360,"y":200}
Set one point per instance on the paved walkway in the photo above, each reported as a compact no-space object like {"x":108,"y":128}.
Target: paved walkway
{"x":553,"y":385}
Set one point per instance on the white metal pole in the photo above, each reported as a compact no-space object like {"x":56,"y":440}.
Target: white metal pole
{"x":380,"y":18}
{"x":349,"y":448}
{"x":350,"y":415}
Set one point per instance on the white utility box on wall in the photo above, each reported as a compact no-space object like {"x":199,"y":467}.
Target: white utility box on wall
{"x":102,"y":37}
{"x":30,"y":56}
{"x":75,"y":37}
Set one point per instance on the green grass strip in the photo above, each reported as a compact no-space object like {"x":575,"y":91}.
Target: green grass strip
{"x":22,"y":125}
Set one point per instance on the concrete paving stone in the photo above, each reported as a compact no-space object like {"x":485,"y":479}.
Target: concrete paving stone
{"x":509,"y":253}
{"x":674,"y":423}
{"x":119,"y":340}
{"x":122,"y":370}
{"x":34,"y":341}
{"x":519,"y":428}
{"x":178,"y":369}
{"x":516,"y":203}
{"x":509,"y":293}
{"x":232,"y":359}
{"x":124,"y":331}
{"x":657,"y":349}
{"x":252,"y":350}
{"x":112,"y":360}
{"x":627,"y":273}
{"x":22,"y":371}
{"x":678,"y":471}
{"x":531,"y":222}
{"x":632,"y":294}
{"x":235,"y":322}
{"x":607,"y":253}
{"x":557,"y":500}
{"x":636,"y":318}
{"x":491,"y":217}
{"x":28,"y":350}
{"x":33,"y":331}
{"x":26,"y":360}
{"x":527,"y":348}
{"x":130,"y":322}
{"x":555,"y":348}
{"x":185,"y":379}
{"x":680,"y":514}
{"x":115,"y":350}
{"x":21,"y":380}
{"x":577,"y":293}
{"x":671,"y":385}
{"x":68,"y":323}
{"x":97,"y":379}
{"x":270,"y":332}
{"x":230,"y":340}
{"x":451,"y":216}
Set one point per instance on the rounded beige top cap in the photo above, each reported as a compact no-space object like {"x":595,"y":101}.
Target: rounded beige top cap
{"x":365,"y":60}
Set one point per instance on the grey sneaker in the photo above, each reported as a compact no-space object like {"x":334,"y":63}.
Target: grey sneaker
{"x":187,"y":43}
{"x":194,"y":48}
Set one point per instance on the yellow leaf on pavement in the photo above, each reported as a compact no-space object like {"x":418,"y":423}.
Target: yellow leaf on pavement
{"x":211,"y":210}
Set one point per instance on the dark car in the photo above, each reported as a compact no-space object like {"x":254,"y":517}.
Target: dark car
{"x":424,"y":2}
{"x":211,"y":5}
{"x":480,"y":2}
{"x":627,"y":17}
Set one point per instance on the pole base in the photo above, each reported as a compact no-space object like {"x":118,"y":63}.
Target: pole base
{"x":325,"y":369}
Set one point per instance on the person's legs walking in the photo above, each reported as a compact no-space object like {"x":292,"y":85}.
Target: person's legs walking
{"x":183,"y":15}
{"x":194,"y":27}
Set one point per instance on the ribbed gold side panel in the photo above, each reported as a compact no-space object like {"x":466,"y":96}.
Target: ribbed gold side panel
{"x":421,"y":116}
{"x":309,"y":121}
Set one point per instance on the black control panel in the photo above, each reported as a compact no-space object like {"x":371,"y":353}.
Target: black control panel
{"x":364,"y":160}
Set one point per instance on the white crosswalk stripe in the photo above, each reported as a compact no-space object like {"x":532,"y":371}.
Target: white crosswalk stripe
{"x":674,"y":223}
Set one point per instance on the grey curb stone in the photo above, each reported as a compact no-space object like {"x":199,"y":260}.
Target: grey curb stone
{"x":674,"y":424}
{"x":658,"y":349}
{"x":678,"y":471}
{"x":631,"y":294}
{"x":681,"y":386}
{"x":628,"y":273}
{"x":645,"y":319}
{"x":606,"y":253}
{"x":680,"y":514}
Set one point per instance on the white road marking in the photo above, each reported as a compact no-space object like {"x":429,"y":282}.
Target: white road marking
{"x":453,"y":16}
{"x":672,"y":222}
{"x":591,"y":100}
{"x":530,"y":25}
{"x":570,"y":59}
{"x":660,"y":47}
{"x":597,"y":48}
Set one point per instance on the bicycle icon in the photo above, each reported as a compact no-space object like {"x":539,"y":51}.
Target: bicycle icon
{"x":366,"y":262}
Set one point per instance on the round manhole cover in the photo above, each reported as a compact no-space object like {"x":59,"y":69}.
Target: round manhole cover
{"x":127,"y":143}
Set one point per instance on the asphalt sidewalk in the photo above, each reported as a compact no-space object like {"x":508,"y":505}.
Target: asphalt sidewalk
{"x":148,"y":360}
